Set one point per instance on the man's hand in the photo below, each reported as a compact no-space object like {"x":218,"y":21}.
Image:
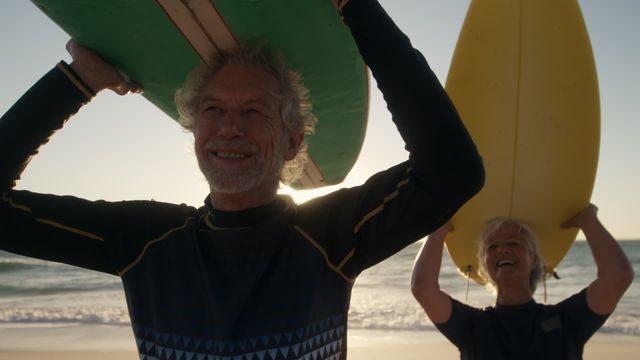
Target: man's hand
{"x":97,"y":73}
{"x":339,"y":4}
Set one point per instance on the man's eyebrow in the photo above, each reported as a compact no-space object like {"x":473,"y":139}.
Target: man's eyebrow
{"x":257,"y":101}
{"x":207,"y":99}
{"x":264,"y":100}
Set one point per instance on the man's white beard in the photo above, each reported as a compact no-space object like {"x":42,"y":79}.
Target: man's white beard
{"x":227,"y":182}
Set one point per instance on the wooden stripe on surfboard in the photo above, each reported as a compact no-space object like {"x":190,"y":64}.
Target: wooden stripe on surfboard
{"x":311,"y":176}
{"x":201,"y":24}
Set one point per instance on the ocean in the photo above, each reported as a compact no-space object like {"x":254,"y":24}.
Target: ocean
{"x":35,"y":293}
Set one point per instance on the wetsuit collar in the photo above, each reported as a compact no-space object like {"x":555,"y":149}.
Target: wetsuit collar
{"x":244,"y":218}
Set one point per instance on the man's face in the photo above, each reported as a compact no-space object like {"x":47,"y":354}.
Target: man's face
{"x":240,"y":141}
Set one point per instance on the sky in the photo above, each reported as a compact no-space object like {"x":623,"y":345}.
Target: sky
{"x":119,"y":148}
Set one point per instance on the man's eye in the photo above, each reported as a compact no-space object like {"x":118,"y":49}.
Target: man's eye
{"x":212,"y":110}
{"x":254,"y":112}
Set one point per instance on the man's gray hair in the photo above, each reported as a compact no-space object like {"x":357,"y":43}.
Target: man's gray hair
{"x":532,"y":245}
{"x":295,"y":107}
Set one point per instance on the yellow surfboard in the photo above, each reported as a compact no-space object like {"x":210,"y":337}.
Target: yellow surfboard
{"x":524,"y":81}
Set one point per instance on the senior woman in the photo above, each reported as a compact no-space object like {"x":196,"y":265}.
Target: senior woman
{"x":517,"y":327}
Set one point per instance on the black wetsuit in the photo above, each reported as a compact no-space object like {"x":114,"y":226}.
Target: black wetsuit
{"x":529,"y":331}
{"x":272,"y":282}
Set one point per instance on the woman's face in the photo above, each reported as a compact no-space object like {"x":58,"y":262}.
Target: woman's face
{"x":508,"y":258}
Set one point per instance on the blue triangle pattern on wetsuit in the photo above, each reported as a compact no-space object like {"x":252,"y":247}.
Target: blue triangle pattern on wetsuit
{"x":322,"y":340}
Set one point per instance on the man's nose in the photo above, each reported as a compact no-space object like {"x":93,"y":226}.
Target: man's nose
{"x":230,"y":125}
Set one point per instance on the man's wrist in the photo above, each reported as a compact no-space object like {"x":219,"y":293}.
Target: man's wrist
{"x":71,"y":73}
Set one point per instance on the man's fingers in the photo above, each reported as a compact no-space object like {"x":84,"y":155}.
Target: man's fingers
{"x":125,"y":88}
{"x":136,"y":88}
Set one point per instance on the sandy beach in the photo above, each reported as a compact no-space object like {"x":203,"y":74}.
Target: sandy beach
{"x":420,"y":346}
{"x":109,"y":343}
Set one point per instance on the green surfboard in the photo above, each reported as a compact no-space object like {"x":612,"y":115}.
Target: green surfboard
{"x":157,"y":43}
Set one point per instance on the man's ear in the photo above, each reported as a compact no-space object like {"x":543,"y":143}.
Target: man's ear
{"x":293,"y":146}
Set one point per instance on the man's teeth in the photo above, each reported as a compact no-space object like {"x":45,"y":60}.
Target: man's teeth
{"x":505,"y":262}
{"x":230,"y":155}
